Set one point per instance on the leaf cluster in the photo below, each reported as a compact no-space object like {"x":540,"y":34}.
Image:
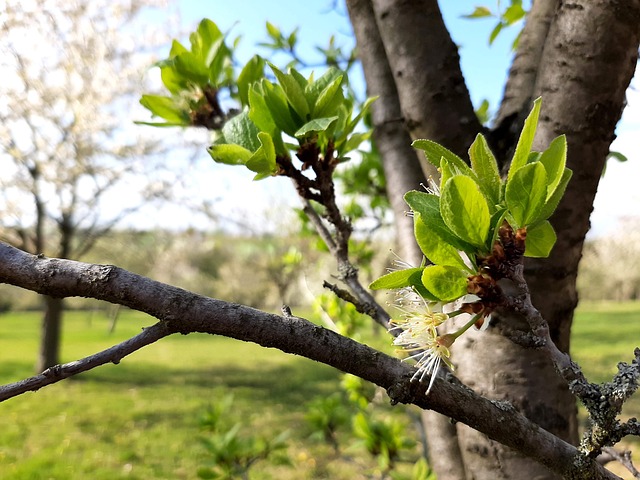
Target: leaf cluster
{"x":193,"y":77}
{"x":476,"y":225}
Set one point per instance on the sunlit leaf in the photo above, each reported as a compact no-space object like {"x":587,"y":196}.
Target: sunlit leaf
{"x":523,"y":148}
{"x":398,"y":279}
{"x":465,"y":211}
{"x":540,"y":240}
{"x":444,"y":282}
{"x":526,"y":194}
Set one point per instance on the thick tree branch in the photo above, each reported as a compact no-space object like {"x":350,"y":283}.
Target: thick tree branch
{"x":184,"y":312}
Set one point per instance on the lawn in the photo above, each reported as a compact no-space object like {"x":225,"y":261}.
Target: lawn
{"x":141,"y":419}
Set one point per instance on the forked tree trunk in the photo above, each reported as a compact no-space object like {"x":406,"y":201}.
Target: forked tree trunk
{"x":580,"y":56}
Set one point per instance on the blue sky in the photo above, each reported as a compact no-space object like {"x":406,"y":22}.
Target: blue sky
{"x":485,"y":69}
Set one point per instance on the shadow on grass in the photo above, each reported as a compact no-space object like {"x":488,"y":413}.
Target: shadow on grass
{"x":294,"y":382}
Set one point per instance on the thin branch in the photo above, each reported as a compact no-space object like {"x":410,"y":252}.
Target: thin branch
{"x":111,"y":355}
{"x":185,"y":312}
{"x":624,"y":458}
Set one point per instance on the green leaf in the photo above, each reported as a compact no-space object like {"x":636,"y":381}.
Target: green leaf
{"x":434,"y":247}
{"x":486,"y":168}
{"x":553,"y":201}
{"x":293,"y":92}
{"x":315,"y":125}
{"x":398,"y":279}
{"x":273,"y":31}
{"x":444,"y":282}
{"x":240,"y":130}
{"x":479,"y":12}
{"x":276,"y":102}
{"x":355,"y":140}
{"x":252,"y":72}
{"x":495,"y":32}
{"x":435,"y":152}
{"x":313,"y":89}
{"x":554,"y":160}
{"x":523,"y":148}
{"x":526,"y":194}
{"x":513,"y":13}
{"x":278,"y":107}
{"x":428,"y":207}
{"x":465,"y":211}
{"x":298,"y":77}
{"x":540,"y":240}
{"x":190,"y":67}
{"x":263,"y":161}
{"x":166,"y":108}
{"x":329,"y":99}
{"x":176,"y":49}
{"x":171,"y":79}
{"x":229,"y":154}
{"x":206,"y":41}
{"x":259,"y":112}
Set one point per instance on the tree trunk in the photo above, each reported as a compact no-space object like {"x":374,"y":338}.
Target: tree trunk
{"x":580,"y":57}
{"x":51,"y":328}
{"x":403,"y":173}
{"x":582,"y":77}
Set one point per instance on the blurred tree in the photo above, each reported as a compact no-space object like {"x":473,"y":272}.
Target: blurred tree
{"x":68,"y":67}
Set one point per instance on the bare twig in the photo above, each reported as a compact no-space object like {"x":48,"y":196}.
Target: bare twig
{"x":112,"y":355}
{"x":624,"y":458}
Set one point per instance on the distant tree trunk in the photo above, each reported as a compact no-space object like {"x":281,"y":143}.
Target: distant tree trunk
{"x":51,"y":328}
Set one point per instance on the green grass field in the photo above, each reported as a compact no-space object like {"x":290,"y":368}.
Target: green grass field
{"x":140,"y":419}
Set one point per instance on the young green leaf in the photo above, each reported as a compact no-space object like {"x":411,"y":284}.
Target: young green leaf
{"x":554,"y":160}
{"x":428,"y":207}
{"x":435,"y":152}
{"x":526,"y":194}
{"x":263,"y":161}
{"x":298,"y":77}
{"x":434,"y":247}
{"x":229,"y":154}
{"x":553,"y":201}
{"x":540,"y":240}
{"x":276,"y":102}
{"x":444,"y":282}
{"x":206,"y":41}
{"x":259,"y":112}
{"x":398,"y":279}
{"x":240,"y":130}
{"x":190,"y":67}
{"x":526,"y":140}
{"x":313,"y":89}
{"x":315,"y":125}
{"x":329,"y":99}
{"x":293,"y":92}
{"x":485,"y":166}
{"x":252,"y":72}
{"x":465,"y":211}
{"x":166,"y":108}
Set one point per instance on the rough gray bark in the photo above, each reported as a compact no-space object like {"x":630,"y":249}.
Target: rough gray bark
{"x":518,"y":92}
{"x":426,"y":68}
{"x":580,"y":57}
{"x":184,"y":312}
{"x":581,"y":72}
{"x":403,"y":173}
